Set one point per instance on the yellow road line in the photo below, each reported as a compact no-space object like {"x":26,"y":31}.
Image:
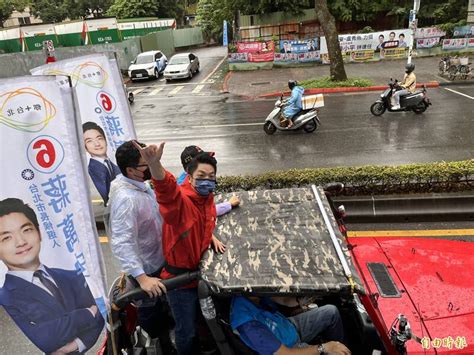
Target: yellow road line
{"x":393,"y":233}
{"x":104,"y":239}
{"x":413,"y":233}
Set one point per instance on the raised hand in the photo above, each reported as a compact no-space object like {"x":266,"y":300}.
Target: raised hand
{"x":151,"y":154}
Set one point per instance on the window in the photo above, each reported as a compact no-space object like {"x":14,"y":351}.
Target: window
{"x":24,"y":20}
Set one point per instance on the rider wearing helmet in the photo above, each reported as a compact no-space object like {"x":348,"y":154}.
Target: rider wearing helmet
{"x":408,"y":85}
{"x":294,"y":104}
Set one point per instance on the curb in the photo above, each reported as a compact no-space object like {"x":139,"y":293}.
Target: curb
{"x":454,"y":83}
{"x":412,"y":208}
{"x":311,"y":91}
{"x":225,"y":85}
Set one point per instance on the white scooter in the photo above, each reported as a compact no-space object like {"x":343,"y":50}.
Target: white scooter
{"x":307,"y":120}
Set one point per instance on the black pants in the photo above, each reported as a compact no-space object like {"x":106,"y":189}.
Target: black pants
{"x":154,"y":316}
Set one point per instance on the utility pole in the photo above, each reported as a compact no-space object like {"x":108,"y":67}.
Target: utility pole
{"x":412,"y":24}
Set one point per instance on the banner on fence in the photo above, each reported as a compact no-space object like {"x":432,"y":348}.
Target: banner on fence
{"x":261,"y":51}
{"x":394,"y":53}
{"x":427,"y":42}
{"x":454,"y":43}
{"x":298,"y":57}
{"x":51,"y":276}
{"x":299,"y":46}
{"x":104,"y":111}
{"x":464,"y":31}
{"x":362,"y":55}
{"x":429,"y":32}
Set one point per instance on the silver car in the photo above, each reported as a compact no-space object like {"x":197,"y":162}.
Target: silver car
{"x":182,"y":65}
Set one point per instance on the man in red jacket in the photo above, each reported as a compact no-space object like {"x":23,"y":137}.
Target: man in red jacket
{"x":189,"y":216}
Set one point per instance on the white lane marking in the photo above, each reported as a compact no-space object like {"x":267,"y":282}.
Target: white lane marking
{"x":440,"y":77}
{"x":162,"y":79}
{"x":215,"y":69}
{"x":136,"y":92}
{"x":156,"y":91}
{"x":228,"y":125}
{"x":175,"y":90}
{"x":460,"y":93}
{"x":197,"y":89}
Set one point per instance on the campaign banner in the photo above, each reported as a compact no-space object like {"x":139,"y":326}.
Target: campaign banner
{"x":376,"y":41}
{"x":299,"y":46}
{"x":237,"y":58}
{"x":257,"y":51}
{"x":51,"y":273}
{"x":429,"y":32}
{"x":298,"y":57}
{"x":362,"y":55}
{"x":464,"y":31}
{"x":104,"y":111}
{"x":427,"y":42}
{"x":470,"y":42}
{"x":456,"y":43}
{"x":394,"y":53}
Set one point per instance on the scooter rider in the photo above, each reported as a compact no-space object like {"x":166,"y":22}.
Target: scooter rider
{"x":294,"y":104}
{"x":408,"y":85}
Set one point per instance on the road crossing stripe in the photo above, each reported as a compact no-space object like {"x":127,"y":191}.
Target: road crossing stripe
{"x":197,"y":89}
{"x":460,"y":93}
{"x":156,"y":91}
{"x":175,"y":90}
{"x":413,"y":233}
{"x":136,"y":92}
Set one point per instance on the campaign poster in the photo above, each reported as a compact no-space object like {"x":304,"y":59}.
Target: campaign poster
{"x":429,"y":32}
{"x":237,"y":58}
{"x":298,"y":57}
{"x":52,"y":281}
{"x":299,"y":46}
{"x":376,"y":41}
{"x":470,"y":42}
{"x":262,"y":51}
{"x":464,"y":31}
{"x":361,"y":55}
{"x":104,"y":112}
{"x":454,"y":43}
{"x":427,"y":42}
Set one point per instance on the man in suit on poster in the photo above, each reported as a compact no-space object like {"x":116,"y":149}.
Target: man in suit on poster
{"x":53,"y":307}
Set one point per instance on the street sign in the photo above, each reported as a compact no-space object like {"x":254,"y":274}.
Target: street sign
{"x":225,"y":40}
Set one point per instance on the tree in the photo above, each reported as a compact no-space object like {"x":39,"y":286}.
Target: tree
{"x":211,"y":14}
{"x":83,"y":8}
{"x":8,"y":6}
{"x":49,"y":10}
{"x":133,"y":8}
{"x":328,"y":23}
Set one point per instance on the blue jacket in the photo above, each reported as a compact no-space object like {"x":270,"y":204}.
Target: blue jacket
{"x":101,"y":178}
{"x":50,"y":323}
{"x":244,"y":311}
{"x":294,"y":104}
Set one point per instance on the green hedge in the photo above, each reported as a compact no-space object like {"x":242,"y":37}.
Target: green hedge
{"x":364,"y":180}
{"x":326,"y":82}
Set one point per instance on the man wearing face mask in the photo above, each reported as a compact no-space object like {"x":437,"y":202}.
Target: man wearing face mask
{"x":135,"y":228}
{"x":189,"y":218}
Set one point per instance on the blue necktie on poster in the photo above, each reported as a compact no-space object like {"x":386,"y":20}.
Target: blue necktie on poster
{"x":225,"y":40}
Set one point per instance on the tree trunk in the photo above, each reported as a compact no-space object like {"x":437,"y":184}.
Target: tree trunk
{"x":328,"y":23}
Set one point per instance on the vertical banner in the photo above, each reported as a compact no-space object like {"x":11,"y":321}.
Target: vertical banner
{"x":104,"y":111}
{"x":51,"y":279}
{"x":225,"y":39}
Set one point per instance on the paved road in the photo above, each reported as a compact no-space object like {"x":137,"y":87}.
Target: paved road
{"x":349,"y":134}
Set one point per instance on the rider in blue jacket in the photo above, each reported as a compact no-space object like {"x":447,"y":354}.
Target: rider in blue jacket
{"x":294,"y":104}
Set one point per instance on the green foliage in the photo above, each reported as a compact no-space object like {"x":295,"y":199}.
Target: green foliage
{"x":211,"y":14}
{"x":365,"y":180}
{"x":449,"y":27}
{"x":8,"y":6}
{"x":81,"y":8}
{"x":50,"y":10}
{"x":171,"y":9}
{"x":326,"y":82}
{"x":367,"y":29}
{"x":133,"y":8}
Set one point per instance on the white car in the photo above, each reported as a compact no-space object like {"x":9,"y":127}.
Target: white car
{"x":147,"y":65}
{"x":182,"y":65}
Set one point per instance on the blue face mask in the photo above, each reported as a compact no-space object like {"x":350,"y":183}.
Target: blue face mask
{"x":205,"y":186}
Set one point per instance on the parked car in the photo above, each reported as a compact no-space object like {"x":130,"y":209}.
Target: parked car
{"x":182,"y":65}
{"x":147,"y":65}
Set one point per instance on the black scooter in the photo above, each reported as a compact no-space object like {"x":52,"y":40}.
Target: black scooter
{"x":417,"y":102}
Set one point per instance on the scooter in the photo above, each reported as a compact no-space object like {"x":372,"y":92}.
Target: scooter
{"x":307,"y":120}
{"x":417,"y":102}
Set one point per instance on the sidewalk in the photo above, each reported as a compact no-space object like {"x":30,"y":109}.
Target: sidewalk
{"x":259,"y":82}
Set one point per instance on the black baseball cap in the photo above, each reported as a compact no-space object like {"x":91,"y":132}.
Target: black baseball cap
{"x":190,"y":152}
